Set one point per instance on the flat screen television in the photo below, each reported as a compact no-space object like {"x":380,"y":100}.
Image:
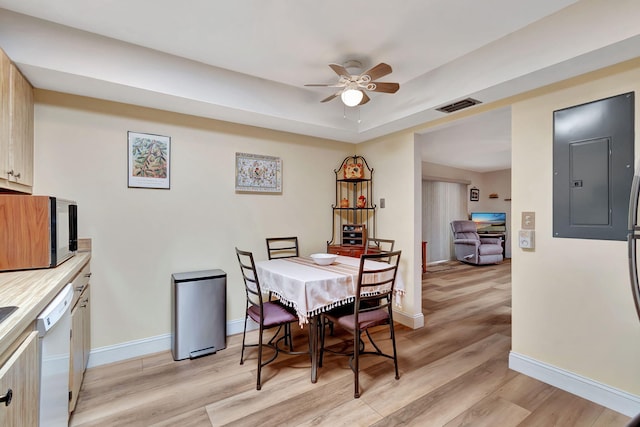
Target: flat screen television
{"x":490,"y":222}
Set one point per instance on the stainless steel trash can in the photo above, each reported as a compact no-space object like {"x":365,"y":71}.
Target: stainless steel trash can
{"x":199,"y":313}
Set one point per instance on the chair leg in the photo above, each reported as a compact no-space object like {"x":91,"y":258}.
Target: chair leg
{"x":244,"y":334}
{"x":258,"y":384}
{"x":393,"y":343}
{"x":356,"y":363}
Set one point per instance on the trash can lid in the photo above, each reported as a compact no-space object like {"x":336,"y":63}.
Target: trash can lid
{"x":198,"y":275}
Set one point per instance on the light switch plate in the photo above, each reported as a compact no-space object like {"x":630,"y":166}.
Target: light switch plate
{"x":528,"y":221}
{"x":526,"y":239}
{"x":382,"y":203}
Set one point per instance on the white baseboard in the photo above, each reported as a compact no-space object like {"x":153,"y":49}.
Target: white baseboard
{"x":414,"y":322}
{"x":119,"y":352}
{"x":602,"y":394}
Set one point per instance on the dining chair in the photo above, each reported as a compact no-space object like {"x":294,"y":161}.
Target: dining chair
{"x":375,"y":245}
{"x":282,"y":247}
{"x":267,"y":314}
{"x":374,"y":284}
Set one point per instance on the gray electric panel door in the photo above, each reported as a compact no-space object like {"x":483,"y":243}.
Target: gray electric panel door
{"x":593,"y":149}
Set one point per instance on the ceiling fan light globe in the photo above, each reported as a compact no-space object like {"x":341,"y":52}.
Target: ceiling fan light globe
{"x":351,"y":97}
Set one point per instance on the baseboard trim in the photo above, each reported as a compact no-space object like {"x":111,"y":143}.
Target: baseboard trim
{"x":138,"y":348}
{"x":415,"y":321}
{"x":602,"y":394}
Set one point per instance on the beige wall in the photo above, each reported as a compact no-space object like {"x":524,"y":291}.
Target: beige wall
{"x":572,"y":303}
{"x":142,"y":236}
{"x":396,"y":164}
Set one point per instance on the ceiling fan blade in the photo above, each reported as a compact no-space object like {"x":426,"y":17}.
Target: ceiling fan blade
{"x":325,"y":85}
{"x":329,"y":98}
{"x":365,"y":99}
{"x":383,"y":87}
{"x":340,"y":70}
{"x":378,"y":71}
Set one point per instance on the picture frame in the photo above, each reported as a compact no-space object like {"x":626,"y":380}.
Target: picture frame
{"x":256,"y":173}
{"x":474,"y":194}
{"x":149,"y":160}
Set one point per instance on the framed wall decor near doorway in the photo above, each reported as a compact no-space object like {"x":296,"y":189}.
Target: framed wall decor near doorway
{"x":474,"y":194}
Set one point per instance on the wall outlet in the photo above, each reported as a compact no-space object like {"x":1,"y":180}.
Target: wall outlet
{"x":528,"y":221}
{"x":526,"y":239}
{"x":381,"y":203}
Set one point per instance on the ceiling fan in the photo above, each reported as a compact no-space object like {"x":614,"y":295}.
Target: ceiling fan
{"x":354,"y":85}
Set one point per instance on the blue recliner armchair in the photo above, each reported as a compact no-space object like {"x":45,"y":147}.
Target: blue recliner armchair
{"x":473,"y":249}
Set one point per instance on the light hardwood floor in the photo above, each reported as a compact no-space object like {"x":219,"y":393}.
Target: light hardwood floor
{"x":453,"y":372}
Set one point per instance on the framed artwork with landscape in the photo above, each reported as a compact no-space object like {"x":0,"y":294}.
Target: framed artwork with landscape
{"x":149,"y":159}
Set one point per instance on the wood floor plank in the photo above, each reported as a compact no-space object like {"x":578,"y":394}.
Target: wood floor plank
{"x":453,"y":372}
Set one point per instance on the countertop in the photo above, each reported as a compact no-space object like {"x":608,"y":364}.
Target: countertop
{"x":31,"y":291}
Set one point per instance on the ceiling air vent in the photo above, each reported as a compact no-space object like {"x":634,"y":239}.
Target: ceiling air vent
{"x":459,"y":105}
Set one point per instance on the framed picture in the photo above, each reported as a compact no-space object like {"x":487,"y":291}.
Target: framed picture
{"x":474,"y":194}
{"x":149,"y":160}
{"x":257,"y":173}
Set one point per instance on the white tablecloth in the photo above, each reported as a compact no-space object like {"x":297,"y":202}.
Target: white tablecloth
{"x":312,"y":289}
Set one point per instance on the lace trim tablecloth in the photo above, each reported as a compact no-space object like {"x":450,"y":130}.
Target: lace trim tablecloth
{"x":312,"y":289}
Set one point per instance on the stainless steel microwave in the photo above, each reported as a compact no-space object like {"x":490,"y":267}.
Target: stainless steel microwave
{"x":36,"y":231}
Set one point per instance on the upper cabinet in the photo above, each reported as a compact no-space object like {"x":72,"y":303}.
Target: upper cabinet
{"x":16,"y":133}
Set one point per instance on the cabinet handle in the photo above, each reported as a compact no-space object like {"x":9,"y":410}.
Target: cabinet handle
{"x":87,"y":275}
{"x":14,"y":174}
{"x":7,"y":397}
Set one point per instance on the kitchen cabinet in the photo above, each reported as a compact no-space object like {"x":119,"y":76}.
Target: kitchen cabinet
{"x":80,"y":333}
{"x":20,"y":385}
{"x":353,"y":211}
{"x":16,"y":135}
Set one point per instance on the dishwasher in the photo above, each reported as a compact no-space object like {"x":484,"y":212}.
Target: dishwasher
{"x":54,"y":331}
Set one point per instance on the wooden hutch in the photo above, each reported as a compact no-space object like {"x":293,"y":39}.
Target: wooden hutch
{"x":353,"y":211}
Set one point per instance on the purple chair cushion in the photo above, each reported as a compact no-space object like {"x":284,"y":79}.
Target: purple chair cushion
{"x":274,"y":314}
{"x":366,"y":320}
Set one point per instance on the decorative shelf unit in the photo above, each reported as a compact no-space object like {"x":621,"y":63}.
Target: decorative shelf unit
{"x":353,"y":211}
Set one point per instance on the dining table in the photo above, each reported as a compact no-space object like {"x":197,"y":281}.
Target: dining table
{"x":312,"y":289}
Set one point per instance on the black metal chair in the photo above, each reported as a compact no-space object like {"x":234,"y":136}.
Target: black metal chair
{"x":267,"y":314}
{"x":375,"y":284}
{"x":282,"y":247}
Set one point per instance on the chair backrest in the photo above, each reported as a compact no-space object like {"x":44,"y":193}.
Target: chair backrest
{"x":282,"y":247}
{"x":376,"y":282}
{"x":464,"y":229}
{"x":376,"y":245}
{"x":250,"y":277}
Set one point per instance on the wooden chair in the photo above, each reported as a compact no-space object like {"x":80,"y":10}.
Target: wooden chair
{"x":267,"y":314}
{"x":282,"y":247}
{"x":374,"y":284}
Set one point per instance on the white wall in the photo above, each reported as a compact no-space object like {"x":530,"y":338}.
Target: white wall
{"x":142,"y":236}
{"x":572,"y":302}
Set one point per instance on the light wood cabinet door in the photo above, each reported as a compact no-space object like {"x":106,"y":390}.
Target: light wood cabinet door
{"x":21,"y":374}
{"x":21,"y":126}
{"x":5,"y":134}
{"x":80,"y":345}
{"x":16,"y":128}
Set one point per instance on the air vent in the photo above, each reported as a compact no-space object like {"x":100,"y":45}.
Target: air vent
{"x":459,"y":105}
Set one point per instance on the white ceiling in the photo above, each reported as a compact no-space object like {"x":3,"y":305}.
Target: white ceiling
{"x":246,"y":61}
